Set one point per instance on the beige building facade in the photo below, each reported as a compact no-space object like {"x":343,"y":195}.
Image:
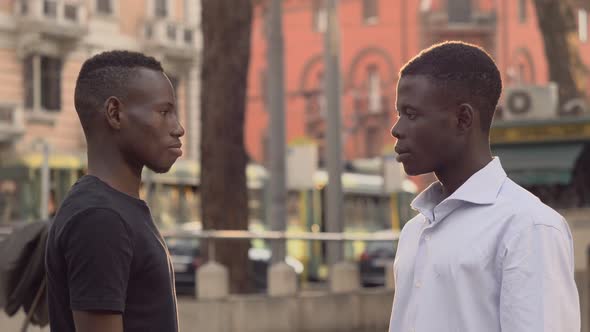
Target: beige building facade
{"x":43,"y":44}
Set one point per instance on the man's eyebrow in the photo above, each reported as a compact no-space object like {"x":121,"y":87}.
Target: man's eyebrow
{"x":406,"y":105}
{"x":165,"y":103}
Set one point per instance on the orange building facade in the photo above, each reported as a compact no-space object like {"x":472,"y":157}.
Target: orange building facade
{"x":377,"y":38}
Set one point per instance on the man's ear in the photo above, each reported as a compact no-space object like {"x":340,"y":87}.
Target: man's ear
{"x":112,"y":112}
{"x":465,"y":118}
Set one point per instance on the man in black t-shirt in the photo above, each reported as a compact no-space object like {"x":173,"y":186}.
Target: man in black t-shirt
{"x":108,"y":268}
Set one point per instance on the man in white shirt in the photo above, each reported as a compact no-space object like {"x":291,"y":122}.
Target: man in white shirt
{"x":484,"y":254}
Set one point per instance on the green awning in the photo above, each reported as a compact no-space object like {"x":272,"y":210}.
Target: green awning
{"x":13,"y":172}
{"x":539,"y":164}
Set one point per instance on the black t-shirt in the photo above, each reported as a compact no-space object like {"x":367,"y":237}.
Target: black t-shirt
{"x":104,"y":253}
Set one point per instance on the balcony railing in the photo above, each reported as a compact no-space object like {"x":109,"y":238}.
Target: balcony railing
{"x":58,"y":18}
{"x":477,"y":21}
{"x":173,"y":38}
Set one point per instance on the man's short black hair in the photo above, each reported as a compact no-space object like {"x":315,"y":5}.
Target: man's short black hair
{"x":467,"y":71}
{"x":104,"y":75}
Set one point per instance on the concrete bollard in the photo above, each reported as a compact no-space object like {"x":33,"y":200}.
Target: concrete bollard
{"x":282,"y":280}
{"x":344,"y":277}
{"x":581,"y":277}
{"x":212,"y":281}
{"x":389,"y":276}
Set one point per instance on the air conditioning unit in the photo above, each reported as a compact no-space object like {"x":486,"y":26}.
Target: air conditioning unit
{"x":530,"y":102}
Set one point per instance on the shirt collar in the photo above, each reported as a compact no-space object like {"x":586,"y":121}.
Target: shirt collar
{"x":481,"y":188}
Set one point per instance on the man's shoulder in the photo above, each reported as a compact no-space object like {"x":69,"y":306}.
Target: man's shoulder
{"x":85,"y":200}
{"x":413,"y":226}
{"x":88,"y":193}
{"x":416,"y":221}
{"x":522,"y":205}
{"x":86,"y":218}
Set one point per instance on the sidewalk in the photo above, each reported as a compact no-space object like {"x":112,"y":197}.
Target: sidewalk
{"x":14,"y":323}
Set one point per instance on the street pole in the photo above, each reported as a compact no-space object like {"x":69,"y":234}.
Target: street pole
{"x":276,"y":104}
{"x":45,"y":182}
{"x":334,"y":158}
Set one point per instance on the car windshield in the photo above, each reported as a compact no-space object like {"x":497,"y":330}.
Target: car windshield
{"x":381,"y":246}
{"x":182,"y":246}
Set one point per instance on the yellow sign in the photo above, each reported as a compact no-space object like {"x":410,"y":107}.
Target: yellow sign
{"x":62,"y":161}
{"x":541,"y":133}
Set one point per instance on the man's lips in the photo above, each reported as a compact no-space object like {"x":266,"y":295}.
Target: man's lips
{"x":402,"y":154}
{"x":176,"y":149}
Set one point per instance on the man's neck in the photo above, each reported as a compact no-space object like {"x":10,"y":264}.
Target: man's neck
{"x":114,"y":171}
{"x":455,"y":175}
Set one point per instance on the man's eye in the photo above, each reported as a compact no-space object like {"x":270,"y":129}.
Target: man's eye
{"x":164,"y":112}
{"x":411,"y":116}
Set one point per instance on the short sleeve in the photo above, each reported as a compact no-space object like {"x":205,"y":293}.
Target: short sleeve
{"x":98,"y":252}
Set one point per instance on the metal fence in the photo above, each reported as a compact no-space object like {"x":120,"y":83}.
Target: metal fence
{"x":211,"y":235}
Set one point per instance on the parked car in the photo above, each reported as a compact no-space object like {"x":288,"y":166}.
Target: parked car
{"x":373,"y":261}
{"x":186,"y":259}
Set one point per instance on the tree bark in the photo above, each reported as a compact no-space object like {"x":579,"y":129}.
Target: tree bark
{"x":557,"y":21}
{"x":226,"y":28}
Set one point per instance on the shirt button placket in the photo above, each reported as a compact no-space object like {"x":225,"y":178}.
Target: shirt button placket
{"x":419,"y":264}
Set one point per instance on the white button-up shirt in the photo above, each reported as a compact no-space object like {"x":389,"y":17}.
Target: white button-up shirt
{"x":490,"y":257}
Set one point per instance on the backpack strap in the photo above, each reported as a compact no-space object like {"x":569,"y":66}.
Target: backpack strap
{"x":34,"y":305}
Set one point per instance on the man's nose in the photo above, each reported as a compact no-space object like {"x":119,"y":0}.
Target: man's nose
{"x":395,"y":130}
{"x":178,"y":130}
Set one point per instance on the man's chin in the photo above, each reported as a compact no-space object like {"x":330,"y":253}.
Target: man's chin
{"x":414,"y":171}
{"x":159,"y":169}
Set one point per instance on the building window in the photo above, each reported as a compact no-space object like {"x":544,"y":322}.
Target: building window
{"x":264,"y":85}
{"x":104,"y":7}
{"x":160,"y":8}
{"x":29,"y":82}
{"x":373,"y":142}
{"x":50,"y":8}
{"x":370,"y":11}
{"x":459,"y":11}
{"x":188,"y":36}
{"x":314,"y":96}
{"x":315,"y":109}
{"x":583,"y":25}
{"x":171,"y":31}
{"x":51,"y":83}
{"x":42,"y":80}
{"x":374,"y":90}
{"x":322,"y":98}
{"x":521,"y":74}
{"x":320,"y":16}
{"x":522,"y":11}
{"x":71,"y":12}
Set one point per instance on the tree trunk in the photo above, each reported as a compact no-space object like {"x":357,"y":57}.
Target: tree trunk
{"x":558,"y":24}
{"x":226,"y":28}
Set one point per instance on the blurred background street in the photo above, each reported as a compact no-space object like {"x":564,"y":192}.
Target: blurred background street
{"x":287,"y":107}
